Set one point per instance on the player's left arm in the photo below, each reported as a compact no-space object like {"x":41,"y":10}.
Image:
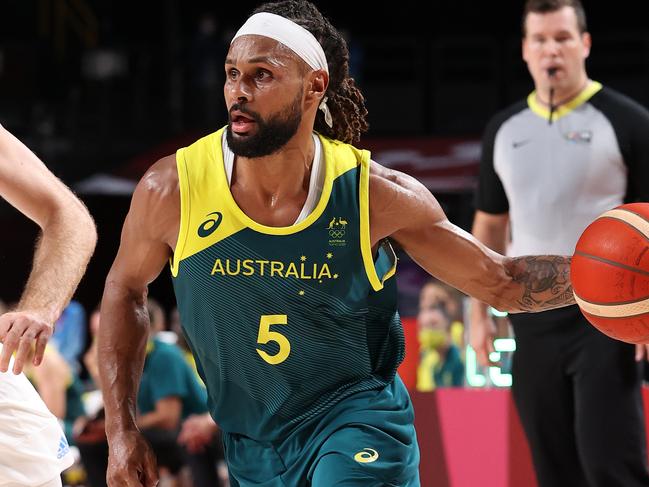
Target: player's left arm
{"x":65,"y":246}
{"x":403,"y":209}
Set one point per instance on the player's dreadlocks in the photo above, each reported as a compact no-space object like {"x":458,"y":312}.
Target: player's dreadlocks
{"x":345,"y":100}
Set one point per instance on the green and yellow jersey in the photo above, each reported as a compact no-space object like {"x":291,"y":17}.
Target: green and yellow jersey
{"x":284,"y":322}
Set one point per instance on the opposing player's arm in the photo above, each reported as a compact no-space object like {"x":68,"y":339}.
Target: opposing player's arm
{"x":148,"y":235}
{"x":66,"y":244}
{"x":403,"y":209}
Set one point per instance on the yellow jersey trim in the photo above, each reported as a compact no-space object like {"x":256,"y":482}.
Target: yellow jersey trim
{"x":365,"y":238}
{"x":393,"y":269}
{"x":333,"y":169}
{"x":204,"y":188}
{"x":201,"y":181}
{"x":366,"y":242}
{"x":185,"y":211}
{"x":563,"y":110}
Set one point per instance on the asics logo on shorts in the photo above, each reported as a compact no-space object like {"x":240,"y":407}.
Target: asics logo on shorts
{"x":367,"y":455}
{"x":209,"y":226}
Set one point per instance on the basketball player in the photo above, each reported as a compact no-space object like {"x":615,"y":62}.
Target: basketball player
{"x":33,"y":448}
{"x":551,"y":164}
{"x":283,"y":272}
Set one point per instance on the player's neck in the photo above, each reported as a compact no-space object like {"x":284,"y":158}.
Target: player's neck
{"x":284,"y":174}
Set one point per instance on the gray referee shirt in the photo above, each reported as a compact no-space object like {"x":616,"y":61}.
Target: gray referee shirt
{"x":555,"y":179}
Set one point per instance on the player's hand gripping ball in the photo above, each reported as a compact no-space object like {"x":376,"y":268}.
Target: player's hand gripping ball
{"x":610,"y":273}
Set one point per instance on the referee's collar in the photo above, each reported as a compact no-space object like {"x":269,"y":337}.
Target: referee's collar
{"x":544,"y":112}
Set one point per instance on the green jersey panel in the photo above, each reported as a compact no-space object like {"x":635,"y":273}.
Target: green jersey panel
{"x":284,"y":322}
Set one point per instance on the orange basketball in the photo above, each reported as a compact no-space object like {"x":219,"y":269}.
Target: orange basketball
{"x":610,"y":273}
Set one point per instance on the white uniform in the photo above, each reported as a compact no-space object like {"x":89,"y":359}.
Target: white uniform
{"x":33,"y":448}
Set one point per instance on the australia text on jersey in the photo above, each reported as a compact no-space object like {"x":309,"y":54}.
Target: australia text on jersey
{"x":273,"y":268}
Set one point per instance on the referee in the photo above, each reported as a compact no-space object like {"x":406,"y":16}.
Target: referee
{"x":550,"y":165}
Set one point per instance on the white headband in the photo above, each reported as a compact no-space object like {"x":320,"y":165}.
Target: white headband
{"x":295,"y":37}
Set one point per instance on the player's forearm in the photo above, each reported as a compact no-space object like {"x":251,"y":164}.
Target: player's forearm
{"x":62,"y":254}
{"x":537,"y":283}
{"x":121,"y":349}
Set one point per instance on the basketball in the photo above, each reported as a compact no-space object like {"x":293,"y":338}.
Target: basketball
{"x":610,"y":273}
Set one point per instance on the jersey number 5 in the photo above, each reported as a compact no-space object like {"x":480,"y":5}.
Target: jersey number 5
{"x":265,"y":336}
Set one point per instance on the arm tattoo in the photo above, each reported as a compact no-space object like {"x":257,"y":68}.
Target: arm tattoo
{"x":544,"y":281}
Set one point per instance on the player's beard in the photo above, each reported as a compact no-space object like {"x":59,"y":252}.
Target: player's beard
{"x":272,"y":134}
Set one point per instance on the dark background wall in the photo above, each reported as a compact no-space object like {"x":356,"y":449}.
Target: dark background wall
{"x":91,"y":85}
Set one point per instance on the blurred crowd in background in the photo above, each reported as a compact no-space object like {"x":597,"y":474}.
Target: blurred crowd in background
{"x":90,"y":84}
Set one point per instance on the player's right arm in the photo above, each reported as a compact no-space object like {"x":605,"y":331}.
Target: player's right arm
{"x":148,"y":235}
{"x":404,"y":210}
{"x":66,"y":243}
{"x":491,"y":230}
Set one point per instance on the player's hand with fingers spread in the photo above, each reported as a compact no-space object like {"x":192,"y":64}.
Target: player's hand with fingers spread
{"x":482,"y":334}
{"x":23,"y":332}
{"x":642,"y":352}
{"x":131,"y":462}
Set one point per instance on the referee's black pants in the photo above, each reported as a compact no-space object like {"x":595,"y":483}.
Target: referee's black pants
{"x":578,"y":394}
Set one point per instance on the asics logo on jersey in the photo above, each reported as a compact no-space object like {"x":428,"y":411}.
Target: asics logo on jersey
{"x":208,"y":227}
{"x":367,"y":455}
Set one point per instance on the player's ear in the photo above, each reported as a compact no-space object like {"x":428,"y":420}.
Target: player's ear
{"x":317,"y":85}
{"x":587,"y":42}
